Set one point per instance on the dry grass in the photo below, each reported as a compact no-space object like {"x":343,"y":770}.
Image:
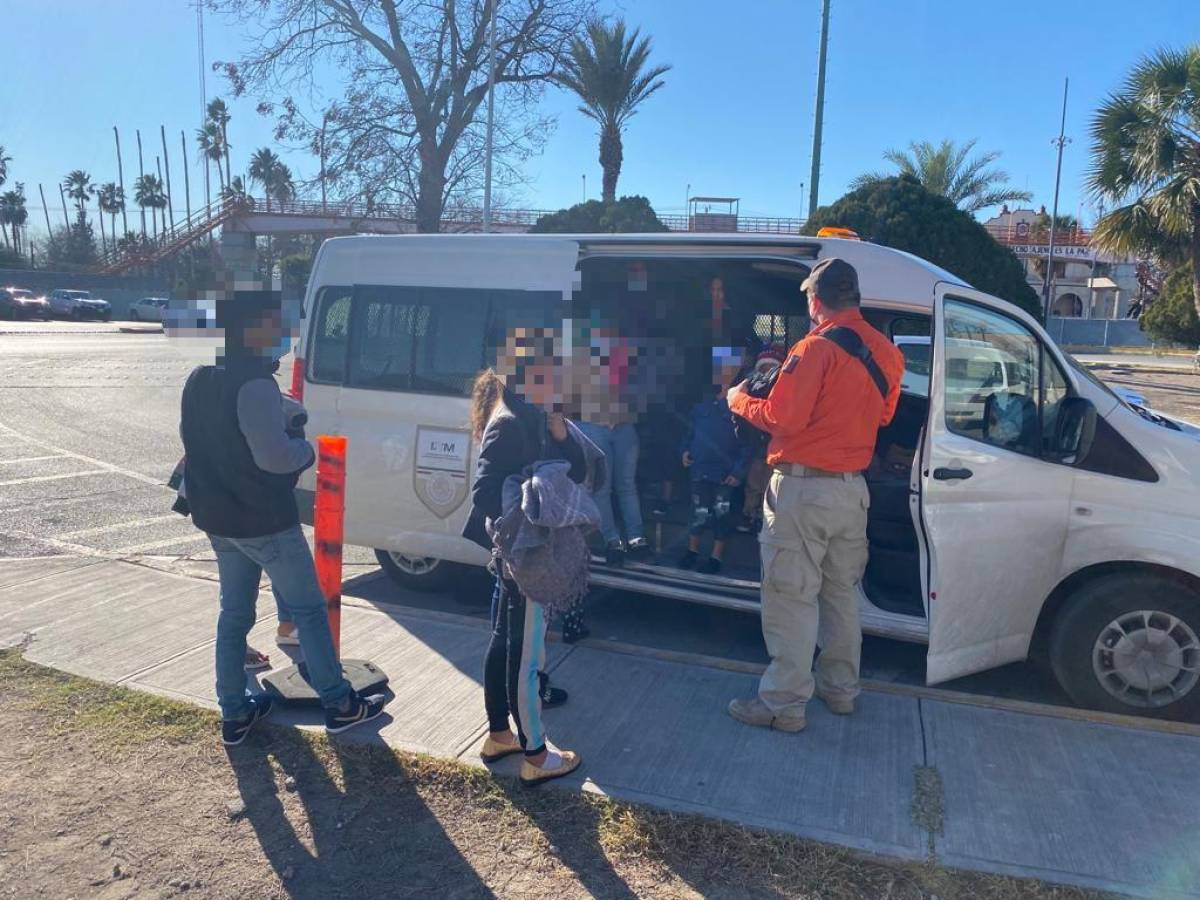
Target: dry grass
{"x":333,"y":819}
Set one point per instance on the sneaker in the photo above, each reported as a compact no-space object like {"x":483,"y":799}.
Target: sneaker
{"x":839,"y":706}
{"x":712,"y":566}
{"x":553,"y":696}
{"x":614,"y":553}
{"x":754,"y":712}
{"x":639,"y":549}
{"x":234,"y":731}
{"x":688,"y":560}
{"x":556,"y":764}
{"x":575,"y":635}
{"x":360,"y":710}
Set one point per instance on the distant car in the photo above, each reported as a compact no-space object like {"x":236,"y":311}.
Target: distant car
{"x":19,"y":303}
{"x":79,"y":305}
{"x":148,"y":309}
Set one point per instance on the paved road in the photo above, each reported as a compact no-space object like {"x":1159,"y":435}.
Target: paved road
{"x":88,"y":439}
{"x":1186,"y":363}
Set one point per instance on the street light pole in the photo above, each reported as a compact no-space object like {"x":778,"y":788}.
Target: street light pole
{"x":1061,"y":141}
{"x":491,"y":113}
{"x":585,"y":187}
{"x":819,"y":120}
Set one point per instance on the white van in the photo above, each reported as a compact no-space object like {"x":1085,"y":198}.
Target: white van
{"x":1035,"y":512}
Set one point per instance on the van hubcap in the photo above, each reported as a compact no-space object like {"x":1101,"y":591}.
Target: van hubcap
{"x":1147,"y":658}
{"x":414,"y":565}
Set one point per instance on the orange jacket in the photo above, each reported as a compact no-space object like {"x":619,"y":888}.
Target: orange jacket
{"x":824,"y":410}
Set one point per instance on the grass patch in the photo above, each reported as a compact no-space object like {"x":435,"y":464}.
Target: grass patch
{"x":416,"y":817}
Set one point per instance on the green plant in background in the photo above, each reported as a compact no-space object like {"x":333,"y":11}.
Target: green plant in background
{"x":1172,"y":316}
{"x":898,"y":212}
{"x":944,"y":169}
{"x":627,"y":215}
{"x":608,"y":69}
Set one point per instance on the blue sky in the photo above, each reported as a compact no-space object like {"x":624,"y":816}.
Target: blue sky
{"x":735,"y":117}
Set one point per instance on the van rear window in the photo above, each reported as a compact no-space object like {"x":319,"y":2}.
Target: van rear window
{"x":418,"y":339}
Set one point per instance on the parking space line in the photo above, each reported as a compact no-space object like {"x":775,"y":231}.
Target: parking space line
{"x":134,"y":549}
{"x":29,"y":459}
{"x":133,"y":523}
{"x":37,"y":478}
{"x":98,"y":463}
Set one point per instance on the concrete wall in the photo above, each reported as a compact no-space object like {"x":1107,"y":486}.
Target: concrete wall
{"x":119,"y":290}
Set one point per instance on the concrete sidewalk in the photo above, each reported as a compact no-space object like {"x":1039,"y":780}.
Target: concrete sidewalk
{"x":1022,"y":791}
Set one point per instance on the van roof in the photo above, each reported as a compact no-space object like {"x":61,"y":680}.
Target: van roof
{"x":886,"y":276}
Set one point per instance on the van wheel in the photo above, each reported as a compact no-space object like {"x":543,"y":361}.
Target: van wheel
{"x":1130,"y":643}
{"x":421,"y":573}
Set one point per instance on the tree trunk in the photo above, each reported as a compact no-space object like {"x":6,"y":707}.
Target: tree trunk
{"x":431,"y":185}
{"x":103,"y":240}
{"x":1196,"y":257}
{"x":611,"y":156}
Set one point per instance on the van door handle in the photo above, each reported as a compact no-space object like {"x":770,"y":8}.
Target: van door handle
{"x":952,"y":474}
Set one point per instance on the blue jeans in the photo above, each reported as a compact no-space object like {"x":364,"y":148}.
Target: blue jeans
{"x":289,"y":564}
{"x":620,"y":446}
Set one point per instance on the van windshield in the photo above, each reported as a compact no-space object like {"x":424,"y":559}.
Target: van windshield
{"x":1086,"y":373}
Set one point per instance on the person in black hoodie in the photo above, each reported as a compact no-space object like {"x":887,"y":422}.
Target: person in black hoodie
{"x":240,"y":470}
{"x":514,"y":432}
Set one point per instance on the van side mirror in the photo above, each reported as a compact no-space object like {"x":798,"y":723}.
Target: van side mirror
{"x":1075,"y":430}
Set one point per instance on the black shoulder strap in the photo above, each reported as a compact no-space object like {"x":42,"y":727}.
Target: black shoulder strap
{"x":848,"y":340}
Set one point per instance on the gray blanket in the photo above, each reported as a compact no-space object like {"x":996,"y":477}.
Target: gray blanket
{"x":540,"y":539}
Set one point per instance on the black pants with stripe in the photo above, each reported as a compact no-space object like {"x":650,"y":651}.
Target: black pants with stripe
{"x":512,"y":666}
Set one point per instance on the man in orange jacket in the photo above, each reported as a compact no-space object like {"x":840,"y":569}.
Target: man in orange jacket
{"x":838,"y":386}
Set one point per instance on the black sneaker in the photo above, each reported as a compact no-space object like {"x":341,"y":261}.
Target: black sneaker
{"x":638,"y":549}
{"x":688,"y":560}
{"x":712,"y":566}
{"x":361,"y":709}
{"x":614,"y":553}
{"x":233,"y":732}
{"x":551,"y":696}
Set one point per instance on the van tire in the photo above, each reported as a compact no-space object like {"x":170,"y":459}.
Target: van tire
{"x":418,"y":573}
{"x":1092,"y":620}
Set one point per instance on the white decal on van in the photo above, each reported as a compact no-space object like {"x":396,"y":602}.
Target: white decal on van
{"x":440,"y":473}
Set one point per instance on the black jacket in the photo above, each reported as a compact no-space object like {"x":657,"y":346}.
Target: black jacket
{"x":227,"y":493}
{"x":509,"y":444}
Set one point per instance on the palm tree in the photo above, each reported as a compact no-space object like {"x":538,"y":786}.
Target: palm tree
{"x":112,"y":201}
{"x":607,"y":69}
{"x":4,"y":161}
{"x":235,"y":190}
{"x":14,"y":214}
{"x":218,"y":114}
{"x":945,"y":170}
{"x":264,"y":170}
{"x":212,"y":147}
{"x":79,"y":187}
{"x":148,"y":193}
{"x":1146,"y":159}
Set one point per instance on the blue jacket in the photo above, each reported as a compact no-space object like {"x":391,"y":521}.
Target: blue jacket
{"x":716,"y":451}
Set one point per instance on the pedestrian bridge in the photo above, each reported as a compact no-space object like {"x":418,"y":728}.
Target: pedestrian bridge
{"x":258,"y":216}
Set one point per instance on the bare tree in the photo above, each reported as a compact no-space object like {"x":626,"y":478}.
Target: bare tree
{"x":405,"y":127}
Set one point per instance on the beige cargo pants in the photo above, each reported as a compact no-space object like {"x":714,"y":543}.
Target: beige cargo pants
{"x":814,"y":552}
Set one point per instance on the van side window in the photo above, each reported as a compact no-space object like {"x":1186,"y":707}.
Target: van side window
{"x":331,"y":336}
{"x":1001,"y":386}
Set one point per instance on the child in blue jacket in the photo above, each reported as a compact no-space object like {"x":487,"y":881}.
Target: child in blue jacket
{"x":717,"y":463}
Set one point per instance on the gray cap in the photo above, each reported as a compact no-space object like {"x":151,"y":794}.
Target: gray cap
{"x":834,"y":281}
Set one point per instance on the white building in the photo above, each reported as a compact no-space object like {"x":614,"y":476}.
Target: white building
{"x":1087,"y":284}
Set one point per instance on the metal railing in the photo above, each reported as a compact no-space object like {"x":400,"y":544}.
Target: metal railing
{"x":1022,"y":233}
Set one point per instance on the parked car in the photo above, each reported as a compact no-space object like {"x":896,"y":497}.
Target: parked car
{"x":19,"y":303}
{"x":68,"y":304}
{"x":148,"y":309}
{"x":1018,"y":506}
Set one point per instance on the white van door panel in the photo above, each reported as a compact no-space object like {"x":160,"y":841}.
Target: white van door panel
{"x":427,"y":314}
{"x":994,"y":514}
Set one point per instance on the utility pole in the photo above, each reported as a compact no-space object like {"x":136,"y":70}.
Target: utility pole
{"x":324,"y":124}
{"x":121,"y":182}
{"x":167,"y":168}
{"x":187,"y":188}
{"x":585,"y":187}
{"x":491,"y":112}
{"x":1061,"y":141}
{"x":141,"y":175}
{"x":45,"y":210}
{"x":63,"y":199}
{"x":815,"y":177}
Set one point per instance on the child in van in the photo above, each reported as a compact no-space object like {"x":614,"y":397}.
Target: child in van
{"x":716,"y":462}
{"x":768,"y":359}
